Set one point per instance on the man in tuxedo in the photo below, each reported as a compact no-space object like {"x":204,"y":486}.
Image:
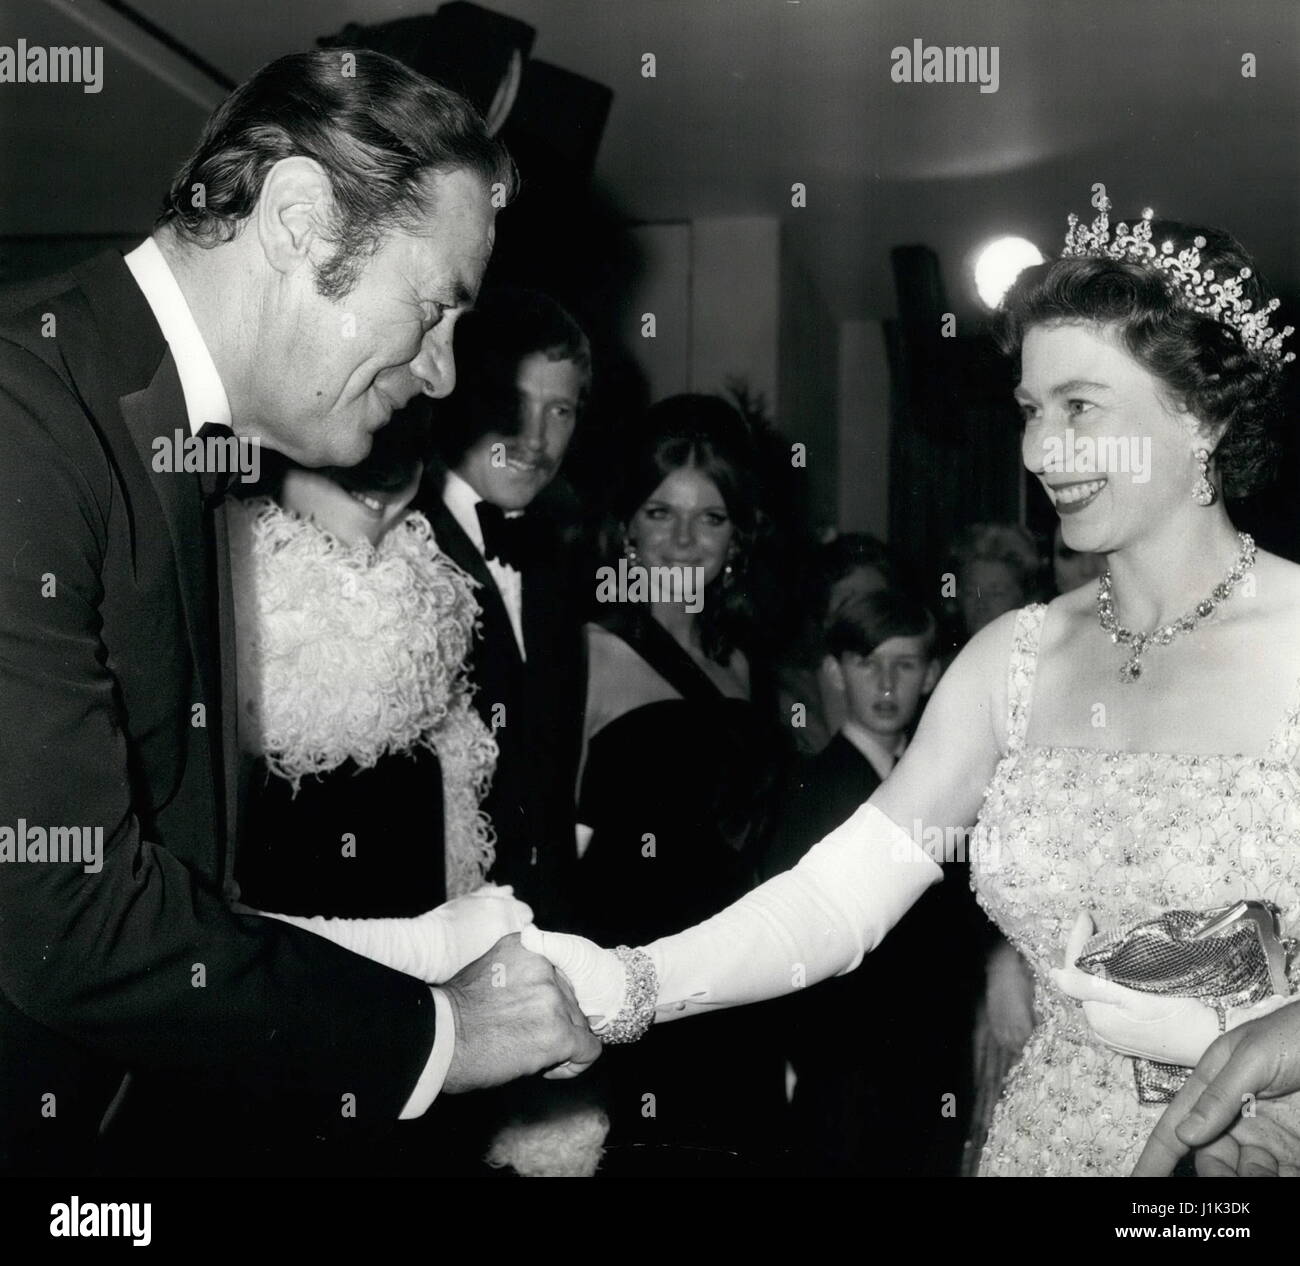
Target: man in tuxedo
{"x":525,"y":372}
{"x":303,"y":281}
{"x":876,"y":1051}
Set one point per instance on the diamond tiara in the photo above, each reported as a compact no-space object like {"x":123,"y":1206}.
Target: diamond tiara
{"x":1220,"y":299}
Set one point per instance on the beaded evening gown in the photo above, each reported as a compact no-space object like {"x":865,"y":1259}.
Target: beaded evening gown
{"x":1125,"y":835}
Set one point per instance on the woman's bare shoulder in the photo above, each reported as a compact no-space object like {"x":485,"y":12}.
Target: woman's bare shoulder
{"x":1074,"y":602}
{"x":600,"y":641}
{"x":608,"y":655}
{"x":1066,"y":613}
{"x":976,"y":682}
{"x":1268,"y":604}
{"x":618,"y":679}
{"x":990,"y":648}
{"x":1277,"y":582}
{"x":945,"y":772}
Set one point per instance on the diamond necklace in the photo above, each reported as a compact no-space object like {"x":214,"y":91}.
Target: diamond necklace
{"x":1138,"y":642}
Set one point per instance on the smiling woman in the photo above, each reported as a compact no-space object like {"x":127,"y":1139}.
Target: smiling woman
{"x":1124,"y":794}
{"x":1202,"y":364}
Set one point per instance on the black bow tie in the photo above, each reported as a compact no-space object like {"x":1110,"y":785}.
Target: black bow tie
{"x":509,"y":540}
{"x":215,"y":482}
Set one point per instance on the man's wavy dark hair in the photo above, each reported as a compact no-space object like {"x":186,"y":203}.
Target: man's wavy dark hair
{"x":490,"y":342}
{"x":376,"y":127}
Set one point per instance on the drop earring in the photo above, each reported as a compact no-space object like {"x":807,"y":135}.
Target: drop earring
{"x":1203,"y":492}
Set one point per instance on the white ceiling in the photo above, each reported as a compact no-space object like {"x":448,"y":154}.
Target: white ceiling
{"x":752,"y":95}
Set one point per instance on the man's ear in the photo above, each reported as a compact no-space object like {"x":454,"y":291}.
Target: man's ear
{"x":931,"y":676}
{"x":293,"y":212}
{"x":834,"y":673}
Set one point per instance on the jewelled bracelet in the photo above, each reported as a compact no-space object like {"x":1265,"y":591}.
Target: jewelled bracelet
{"x":640,"y":994}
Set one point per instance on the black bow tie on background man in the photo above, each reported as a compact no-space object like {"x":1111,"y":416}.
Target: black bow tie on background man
{"x":509,"y":540}
{"x":214,"y":482}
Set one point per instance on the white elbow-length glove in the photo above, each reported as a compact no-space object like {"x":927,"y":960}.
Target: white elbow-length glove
{"x":433,"y":946}
{"x":1167,"y":1029}
{"x":810,"y":923}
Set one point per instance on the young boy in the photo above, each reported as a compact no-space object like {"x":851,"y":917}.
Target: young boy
{"x":881,"y":1056}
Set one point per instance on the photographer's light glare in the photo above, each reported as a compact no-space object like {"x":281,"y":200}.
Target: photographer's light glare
{"x":999,"y":263}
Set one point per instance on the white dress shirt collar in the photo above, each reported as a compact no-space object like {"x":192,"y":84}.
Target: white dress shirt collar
{"x":462,"y":501}
{"x":881,"y":756}
{"x":205,"y":396}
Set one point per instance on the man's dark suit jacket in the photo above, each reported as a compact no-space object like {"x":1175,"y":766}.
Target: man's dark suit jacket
{"x":540,"y":702}
{"x":107,"y":648}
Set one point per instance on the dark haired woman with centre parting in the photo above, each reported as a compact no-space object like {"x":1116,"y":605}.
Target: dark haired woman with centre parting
{"x":1186,"y":799}
{"x":680,"y":764}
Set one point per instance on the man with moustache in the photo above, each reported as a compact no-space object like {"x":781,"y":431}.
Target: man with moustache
{"x":303,"y":281}
{"x":525,"y":373}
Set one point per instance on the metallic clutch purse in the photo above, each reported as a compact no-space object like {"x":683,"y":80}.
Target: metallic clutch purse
{"x":1230,"y":957}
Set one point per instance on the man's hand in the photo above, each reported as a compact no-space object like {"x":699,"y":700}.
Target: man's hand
{"x":1265,"y":1144}
{"x":467,"y":927}
{"x":1253,"y":1068}
{"x":597,"y":975}
{"x":515,"y":1016}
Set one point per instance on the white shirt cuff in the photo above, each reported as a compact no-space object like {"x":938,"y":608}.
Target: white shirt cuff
{"x":439,"y":1061}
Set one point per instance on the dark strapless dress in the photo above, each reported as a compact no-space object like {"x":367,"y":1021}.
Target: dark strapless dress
{"x":676,"y":793}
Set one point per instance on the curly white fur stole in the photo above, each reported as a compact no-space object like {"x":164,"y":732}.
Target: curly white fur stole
{"x":361,"y":652}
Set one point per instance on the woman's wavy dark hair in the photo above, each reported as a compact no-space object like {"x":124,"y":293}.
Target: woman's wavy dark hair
{"x":1203,"y":365}
{"x":704,"y":433}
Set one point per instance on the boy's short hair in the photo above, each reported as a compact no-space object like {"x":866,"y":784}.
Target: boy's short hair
{"x":491,"y":340}
{"x":868,"y":621}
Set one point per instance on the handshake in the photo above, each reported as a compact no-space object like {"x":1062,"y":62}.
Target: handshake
{"x":524,"y":1001}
